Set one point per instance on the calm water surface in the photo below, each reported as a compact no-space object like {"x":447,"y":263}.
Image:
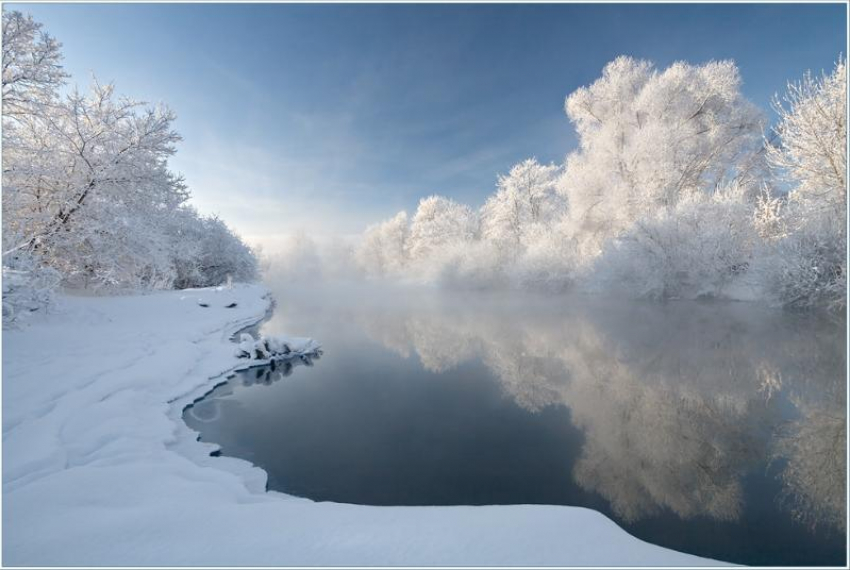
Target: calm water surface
{"x":716,"y":429}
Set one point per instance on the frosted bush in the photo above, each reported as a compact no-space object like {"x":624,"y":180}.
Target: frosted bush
{"x":478,"y":265}
{"x":382,"y":250}
{"x":548,"y":262}
{"x":692,"y":250}
{"x":807,"y":267}
{"x":28,"y":286}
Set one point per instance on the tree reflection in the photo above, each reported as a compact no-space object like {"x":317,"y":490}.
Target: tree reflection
{"x":813,"y":448}
{"x":275,"y":370}
{"x":677,"y":402}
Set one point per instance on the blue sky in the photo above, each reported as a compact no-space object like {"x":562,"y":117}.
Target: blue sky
{"x":328,"y":117}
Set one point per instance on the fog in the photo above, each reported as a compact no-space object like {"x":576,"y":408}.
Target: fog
{"x":676,"y":400}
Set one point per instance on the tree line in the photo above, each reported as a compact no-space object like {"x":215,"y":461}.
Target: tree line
{"x":678,"y":189}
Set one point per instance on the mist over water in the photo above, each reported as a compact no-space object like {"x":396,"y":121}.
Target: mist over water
{"x":713,"y":428}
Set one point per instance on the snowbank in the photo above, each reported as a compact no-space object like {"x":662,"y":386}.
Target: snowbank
{"x":99,"y":468}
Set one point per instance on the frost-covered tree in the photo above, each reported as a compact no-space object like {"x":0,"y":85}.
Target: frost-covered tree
{"x":646,"y":137}
{"x":548,"y":262}
{"x":185,"y":232}
{"x":671,"y":193}
{"x":87,"y":192}
{"x":438,"y":225}
{"x":87,"y":185}
{"x":382,"y":249}
{"x":28,"y":286}
{"x":31,"y":76}
{"x":476,"y":264}
{"x":524,"y":199}
{"x":32,"y":69}
{"x":805,"y":264}
{"x":812,"y":132}
{"x":224,"y":254}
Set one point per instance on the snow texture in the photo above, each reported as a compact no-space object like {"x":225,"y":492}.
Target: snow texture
{"x":99,"y":468}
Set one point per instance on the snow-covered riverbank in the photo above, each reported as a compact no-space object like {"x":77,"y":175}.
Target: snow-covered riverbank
{"x":99,"y":468}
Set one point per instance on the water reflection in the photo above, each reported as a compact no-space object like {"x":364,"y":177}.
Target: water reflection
{"x":209,"y":408}
{"x":717,"y":429}
{"x":276,"y":370}
{"x":677,"y":402}
{"x":813,"y":448}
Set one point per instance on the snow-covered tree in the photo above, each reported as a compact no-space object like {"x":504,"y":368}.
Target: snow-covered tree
{"x":87,"y":192}
{"x":28,"y":286}
{"x":525,"y":198}
{"x":696,"y":248}
{"x":439,"y":224}
{"x":224,"y":254}
{"x":548,"y":262}
{"x":382,"y":249}
{"x":32,"y":69}
{"x":185,"y":232}
{"x":91,"y":176}
{"x":812,"y":131}
{"x":805,"y":264}
{"x":203,"y":251}
{"x":31,"y":76}
{"x":673,"y":192}
{"x":476,"y":264}
{"x":646,"y":137}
